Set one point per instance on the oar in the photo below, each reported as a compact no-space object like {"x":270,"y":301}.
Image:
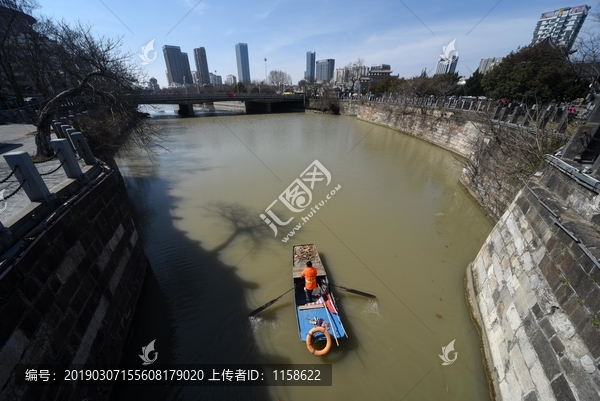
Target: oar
{"x":265,"y":306}
{"x":364,"y":294}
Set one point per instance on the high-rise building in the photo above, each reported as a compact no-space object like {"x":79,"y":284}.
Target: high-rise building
{"x":486,"y":64}
{"x":230,"y":80}
{"x":340,"y":76}
{"x":215,"y":79}
{"x":561,"y":26}
{"x":174,"y":62}
{"x":447,"y":65}
{"x":201,"y":65}
{"x":324,"y":70}
{"x":243,"y":65}
{"x":309,"y":74}
{"x":187,"y":72}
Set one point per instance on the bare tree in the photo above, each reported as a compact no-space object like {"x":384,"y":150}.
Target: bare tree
{"x":277,"y":77}
{"x":355,"y":70}
{"x":503,"y":158}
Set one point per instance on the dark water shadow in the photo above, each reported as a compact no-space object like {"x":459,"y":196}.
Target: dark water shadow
{"x":194,"y":318}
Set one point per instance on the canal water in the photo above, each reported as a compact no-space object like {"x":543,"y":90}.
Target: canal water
{"x":387,"y":215}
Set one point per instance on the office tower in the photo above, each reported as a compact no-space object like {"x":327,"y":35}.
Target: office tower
{"x":230,"y":80}
{"x":215,"y":79}
{"x":561,"y":26}
{"x":487,"y":64}
{"x":187,"y":73}
{"x":309,"y":74}
{"x":243,"y":65}
{"x":174,"y":62}
{"x":447,"y":65}
{"x":324,"y":70}
{"x":201,"y":65}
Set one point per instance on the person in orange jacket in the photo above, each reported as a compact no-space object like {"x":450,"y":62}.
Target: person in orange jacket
{"x":310,"y":280}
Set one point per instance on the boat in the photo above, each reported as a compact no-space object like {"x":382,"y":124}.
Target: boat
{"x":318,"y":321}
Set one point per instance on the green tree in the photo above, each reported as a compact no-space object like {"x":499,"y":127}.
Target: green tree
{"x":534,"y":74}
{"x":442,"y":84}
{"x":473,"y":85}
{"x":386,"y":85}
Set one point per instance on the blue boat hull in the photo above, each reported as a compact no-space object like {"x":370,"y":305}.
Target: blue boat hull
{"x":309,"y":315}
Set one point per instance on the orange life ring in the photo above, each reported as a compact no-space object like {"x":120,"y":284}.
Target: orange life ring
{"x":312,"y":349}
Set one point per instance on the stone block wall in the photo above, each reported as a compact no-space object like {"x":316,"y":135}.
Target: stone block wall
{"x":451,"y":130}
{"x":534,"y":289}
{"x":69,"y":297}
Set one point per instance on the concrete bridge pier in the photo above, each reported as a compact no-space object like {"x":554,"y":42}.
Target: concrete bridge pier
{"x":186,"y":110}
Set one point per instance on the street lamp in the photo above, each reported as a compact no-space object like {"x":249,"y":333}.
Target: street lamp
{"x":265,"y":69}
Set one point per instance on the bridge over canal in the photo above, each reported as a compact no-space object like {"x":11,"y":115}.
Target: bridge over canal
{"x":255,"y":102}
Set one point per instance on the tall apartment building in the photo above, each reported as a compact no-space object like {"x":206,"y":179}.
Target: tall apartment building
{"x":174,"y":62}
{"x":187,"y":72}
{"x":230,"y":80}
{"x":340,"y":76}
{"x":486,"y":64}
{"x":561,"y":26}
{"x":309,"y":74}
{"x":201,"y":65}
{"x":243,"y":64}
{"x":324,"y":70}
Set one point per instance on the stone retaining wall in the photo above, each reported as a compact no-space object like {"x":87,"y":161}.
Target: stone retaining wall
{"x":69,"y":297}
{"x":450,"y":129}
{"x":535,"y":294}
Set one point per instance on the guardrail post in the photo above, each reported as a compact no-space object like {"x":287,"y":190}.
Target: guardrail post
{"x":68,"y":133}
{"x":57,"y":128}
{"x":34,"y":186}
{"x":65,"y":154}
{"x":83,"y":148}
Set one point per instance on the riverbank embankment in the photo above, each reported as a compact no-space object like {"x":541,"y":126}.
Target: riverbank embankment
{"x":534,"y":286}
{"x":71,"y":272}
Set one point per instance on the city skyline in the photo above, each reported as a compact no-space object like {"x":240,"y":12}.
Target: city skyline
{"x":409,"y":37}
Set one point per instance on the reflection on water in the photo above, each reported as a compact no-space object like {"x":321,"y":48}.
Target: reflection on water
{"x":400,"y":227}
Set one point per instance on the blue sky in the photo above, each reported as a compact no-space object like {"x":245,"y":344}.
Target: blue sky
{"x":407,"y":34}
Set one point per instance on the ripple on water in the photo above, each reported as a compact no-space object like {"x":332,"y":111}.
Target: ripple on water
{"x":371,"y":309}
{"x":257,"y":322}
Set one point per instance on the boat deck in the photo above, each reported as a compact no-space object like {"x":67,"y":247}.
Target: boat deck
{"x":304,"y":253}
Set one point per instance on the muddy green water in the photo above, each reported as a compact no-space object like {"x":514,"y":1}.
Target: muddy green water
{"x":399,"y":226}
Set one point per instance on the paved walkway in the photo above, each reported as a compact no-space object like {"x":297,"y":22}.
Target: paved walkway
{"x":20,"y":138}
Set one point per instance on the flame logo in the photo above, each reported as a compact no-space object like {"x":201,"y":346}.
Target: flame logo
{"x":447,"y":50}
{"x":146,"y":52}
{"x":146,"y":353}
{"x":446,"y":351}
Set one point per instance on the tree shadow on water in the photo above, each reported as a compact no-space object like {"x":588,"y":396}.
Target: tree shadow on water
{"x":243,"y":222}
{"x":191,"y":303}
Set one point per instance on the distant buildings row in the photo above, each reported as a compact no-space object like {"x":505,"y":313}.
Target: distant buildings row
{"x":179,"y":72}
{"x":560,"y":27}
